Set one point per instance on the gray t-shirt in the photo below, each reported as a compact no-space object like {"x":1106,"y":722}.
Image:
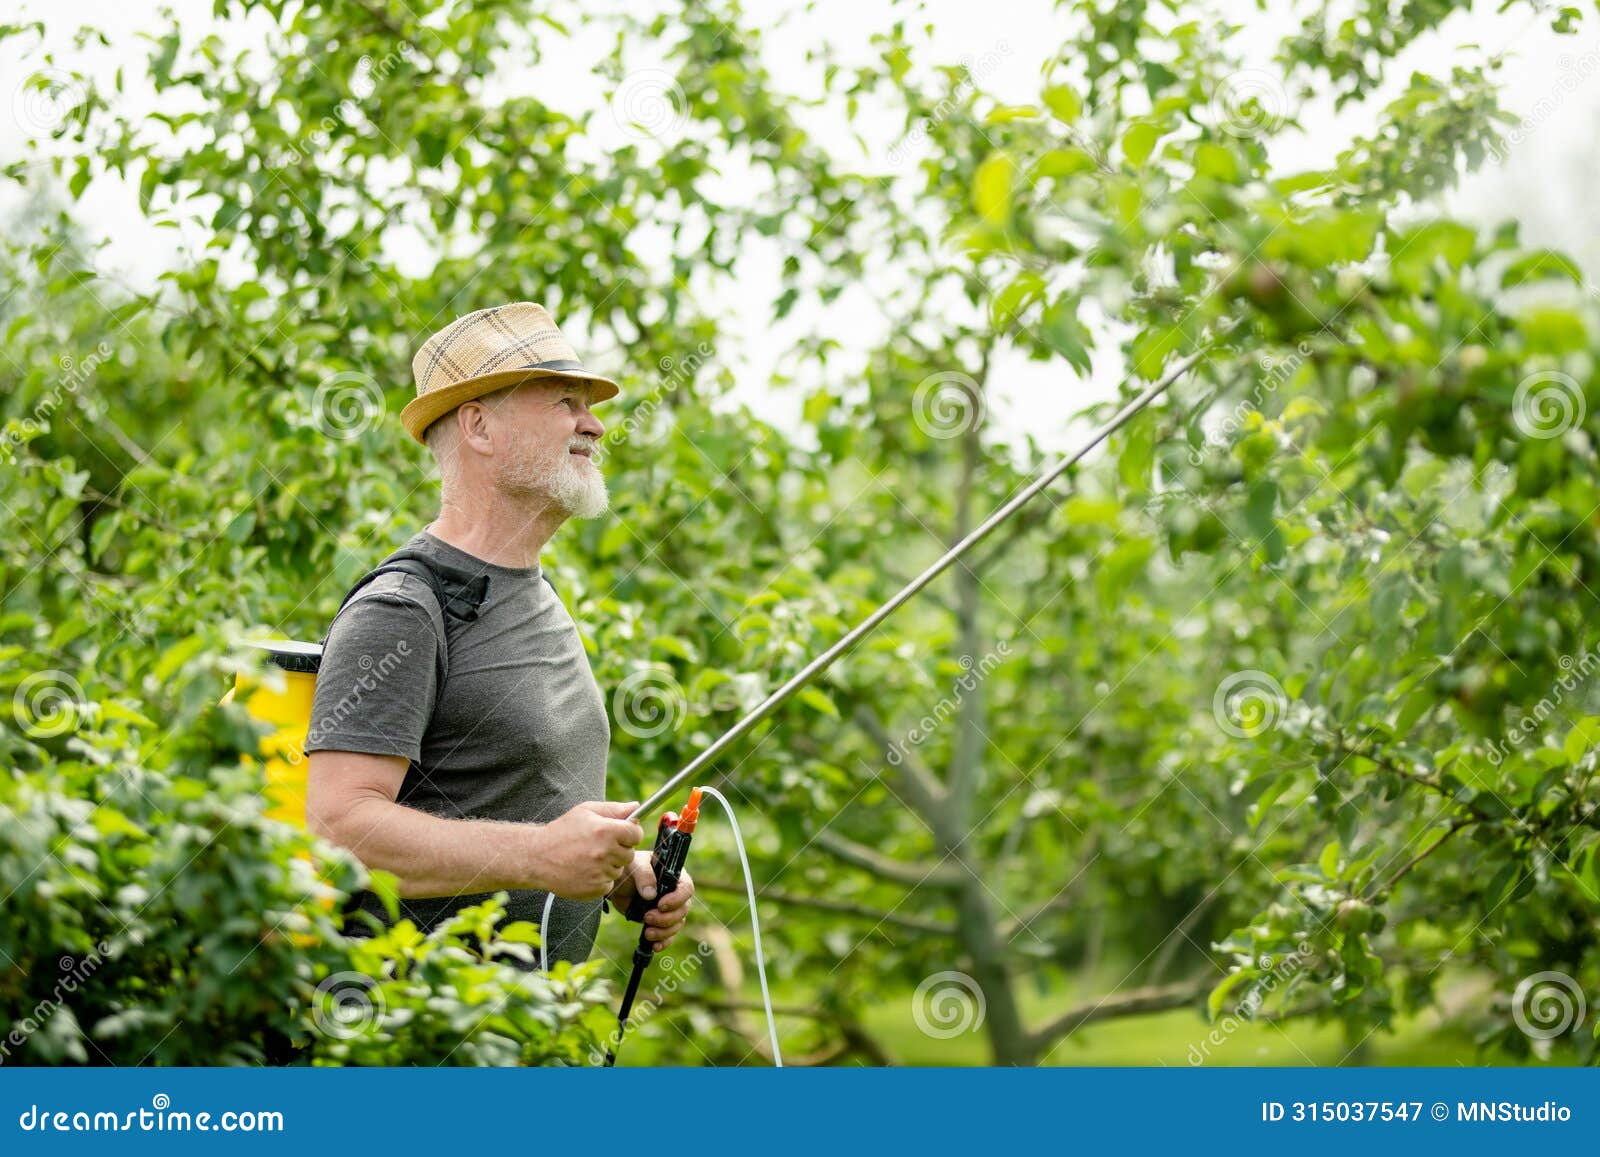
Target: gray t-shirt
{"x":517,"y":732}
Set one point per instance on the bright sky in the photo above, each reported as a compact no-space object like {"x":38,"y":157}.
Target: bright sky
{"x":1545,"y":182}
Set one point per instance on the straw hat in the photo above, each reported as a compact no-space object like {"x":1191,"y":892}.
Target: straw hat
{"x":487,"y":351}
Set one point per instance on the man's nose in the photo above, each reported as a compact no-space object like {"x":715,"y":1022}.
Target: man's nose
{"x":589,"y":425}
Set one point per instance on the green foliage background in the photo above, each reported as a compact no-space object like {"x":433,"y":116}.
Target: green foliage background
{"x":1349,"y":508}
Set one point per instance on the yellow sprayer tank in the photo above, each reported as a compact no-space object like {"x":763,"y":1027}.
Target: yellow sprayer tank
{"x":288,"y":709}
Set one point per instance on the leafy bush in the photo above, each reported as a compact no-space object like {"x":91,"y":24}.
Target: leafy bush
{"x":154,"y":916}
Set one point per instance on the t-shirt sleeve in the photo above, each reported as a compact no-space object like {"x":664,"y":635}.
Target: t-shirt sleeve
{"x":379,"y":678}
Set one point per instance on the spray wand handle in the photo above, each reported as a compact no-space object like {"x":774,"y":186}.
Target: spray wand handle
{"x":674,"y":834}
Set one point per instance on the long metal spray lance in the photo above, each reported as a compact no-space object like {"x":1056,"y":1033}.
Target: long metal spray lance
{"x":825,"y":660}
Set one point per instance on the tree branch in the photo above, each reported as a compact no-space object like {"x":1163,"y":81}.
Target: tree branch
{"x":1138,"y":1002}
{"x":886,"y":867}
{"x":1426,"y":852}
{"x":922,"y":787}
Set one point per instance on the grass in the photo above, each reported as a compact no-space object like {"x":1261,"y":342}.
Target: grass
{"x":1179,"y":1038}
{"x":1183,"y":1038}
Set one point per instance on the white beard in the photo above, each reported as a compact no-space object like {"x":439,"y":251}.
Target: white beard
{"x":581,"y":488}
{"x":564,"y":480}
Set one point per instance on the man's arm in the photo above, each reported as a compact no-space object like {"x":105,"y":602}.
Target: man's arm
{"x":350,"y":801}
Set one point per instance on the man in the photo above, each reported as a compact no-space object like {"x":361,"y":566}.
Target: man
{"x":491,"y":775}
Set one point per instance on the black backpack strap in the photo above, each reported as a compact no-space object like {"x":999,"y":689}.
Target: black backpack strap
{"x":460,"y":592}
{"x":457,"y":594}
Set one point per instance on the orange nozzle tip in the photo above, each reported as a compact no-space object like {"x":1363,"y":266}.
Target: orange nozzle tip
{"x":691,"y":812}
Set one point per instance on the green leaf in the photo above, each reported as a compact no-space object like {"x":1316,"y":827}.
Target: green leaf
{"x":108,"y":821}
{"x":1016,"y":298}
{"x":1139,"y":141}
{"x":1220,"y":993}
{"x":1329,"y":237}
{"x":111,"y":709}
{"x":816,"y":700}
{"x":1416,"y":251}
{"x":1260,"y":511}
{"x":1065,"y":334}
{"x":176,"y":656}
{"x":1064,"y":103}
{"x":1152,"y":348}
{"x":1065,"y":162}
{"x":1264,"y":802}
{"x":1554,"y":331}
{"x":992,"y":186}
{"x":1214,"y":161}
{"x":1122,"y":566}
{"x":520,"y":932}
{"x":1540,"y":265}
{"x":240,"y":526}
{"x":1413,"y":708}
{"x":1006,"y":113}
{"x":80,"y":178}
{"x":1585,"y":734}
{"x":673,"y":646}
{"x":386,"y":886}
{"x":1136,"y":461}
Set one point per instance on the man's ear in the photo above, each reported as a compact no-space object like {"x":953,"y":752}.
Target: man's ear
{"x":472,"y":418}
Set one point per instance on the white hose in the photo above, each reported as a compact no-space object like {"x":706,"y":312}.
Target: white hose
{"x":544,"y":932}
{"x":755,"y":922}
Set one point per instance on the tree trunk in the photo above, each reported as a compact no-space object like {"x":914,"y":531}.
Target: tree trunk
{"x":975,"y":916}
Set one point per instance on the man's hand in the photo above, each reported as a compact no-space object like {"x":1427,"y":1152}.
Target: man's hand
{"x":578,"y":855}
{"x":665,"y":920}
